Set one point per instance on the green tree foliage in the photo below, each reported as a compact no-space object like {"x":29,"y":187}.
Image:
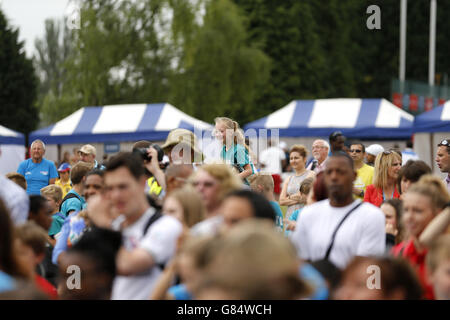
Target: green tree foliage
{"x":417,"y":47}
{"x":156,"y":51}
{"x":288,"y":33}
{"x":51,"y":53}
{"x":239,"y":58}
{"x":221,"y":75}
{"x":17,"y":82}
{"x":374,"y":53}
{"x":349,"y":60}
{"x":117,"y":56}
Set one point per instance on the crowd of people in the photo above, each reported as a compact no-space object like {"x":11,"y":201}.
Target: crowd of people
{"x":348,"y":222}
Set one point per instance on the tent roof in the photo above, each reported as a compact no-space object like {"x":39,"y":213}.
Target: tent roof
{"x":8,"y":136}
{"x":116,"y":123}
{"x":356,"y":118}
{"x":436,"y":120}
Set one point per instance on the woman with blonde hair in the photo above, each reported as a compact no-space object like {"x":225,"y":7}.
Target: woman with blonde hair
{"x":213,"y":182}
{"x":384,"y":187}
{"x":185,"y":205}
{"x":289,"y":193}
{"x":422,"y":202}
{"x":234,"y":151}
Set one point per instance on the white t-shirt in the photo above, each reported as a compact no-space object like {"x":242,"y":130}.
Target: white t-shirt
{"x":212,"y":151}
{"x":160,"y":241}
{"x":208,"y":227}
{"x":271,"y":158}
{"x":361,"y":234}
{"x":16,"y":200}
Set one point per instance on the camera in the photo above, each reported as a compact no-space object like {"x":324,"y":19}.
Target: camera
{"x":144,"y":154}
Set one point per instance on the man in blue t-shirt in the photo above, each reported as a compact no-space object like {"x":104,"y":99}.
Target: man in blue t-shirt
{"x":38,"y":172}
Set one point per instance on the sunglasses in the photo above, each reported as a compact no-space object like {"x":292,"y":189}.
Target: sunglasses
{"x":355,"y":150}
{"x":387,"y":152}
{"x":444,"y":142}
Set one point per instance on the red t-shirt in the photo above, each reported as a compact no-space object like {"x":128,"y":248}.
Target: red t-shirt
{"x":375,"y":195}
{"x":407,"y":250}
{"x":46,"y":287}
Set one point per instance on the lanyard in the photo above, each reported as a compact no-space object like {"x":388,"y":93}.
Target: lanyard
{"x":384,"y":197}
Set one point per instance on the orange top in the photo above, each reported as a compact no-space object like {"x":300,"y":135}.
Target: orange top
{"x":375,"y":195}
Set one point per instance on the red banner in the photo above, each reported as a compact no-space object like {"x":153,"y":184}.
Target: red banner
{"x":413,"y":102}
{"x":397,"y":99}
{"x":428,"y":103}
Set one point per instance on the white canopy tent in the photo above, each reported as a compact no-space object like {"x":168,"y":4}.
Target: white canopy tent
{"x":114,"y":128}
{"x":12,"y":148}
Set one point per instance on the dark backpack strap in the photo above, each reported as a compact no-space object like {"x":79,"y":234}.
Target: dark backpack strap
{"x":150,"y":221}
{"x":68,"y":196}
{"x":337,"y":228}
{"x":236,"y":163}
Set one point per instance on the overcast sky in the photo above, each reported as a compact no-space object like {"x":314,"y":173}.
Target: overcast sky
{"x":29,"y":16}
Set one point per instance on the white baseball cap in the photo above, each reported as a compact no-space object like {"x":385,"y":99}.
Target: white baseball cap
{"x":374,"y":149}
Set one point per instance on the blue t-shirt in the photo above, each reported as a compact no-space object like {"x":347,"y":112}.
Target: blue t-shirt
{"x":237,"y":156}
{"x":279,"y":215}
{"x":57,"y":223}
{"x":73,"y":204}
{"x":7,"y":282}
{"x":180,"y":292}
{"x":38,"y":175}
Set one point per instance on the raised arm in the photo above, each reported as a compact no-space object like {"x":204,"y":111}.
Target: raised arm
{"x":436,"y":227}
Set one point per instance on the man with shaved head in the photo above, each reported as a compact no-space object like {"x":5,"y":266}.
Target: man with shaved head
{"x":340,"y":227}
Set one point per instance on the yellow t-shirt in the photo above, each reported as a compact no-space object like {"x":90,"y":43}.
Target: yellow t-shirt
{"x":364,"y":178}
{"x":65,"y":188}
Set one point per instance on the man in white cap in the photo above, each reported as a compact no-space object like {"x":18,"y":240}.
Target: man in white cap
{"x":87,"y":154}
{"x":371,"y":153}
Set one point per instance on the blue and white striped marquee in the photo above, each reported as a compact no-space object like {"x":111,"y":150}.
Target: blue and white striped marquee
{"x":356,"y":118}
{"x":117,"y":123}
